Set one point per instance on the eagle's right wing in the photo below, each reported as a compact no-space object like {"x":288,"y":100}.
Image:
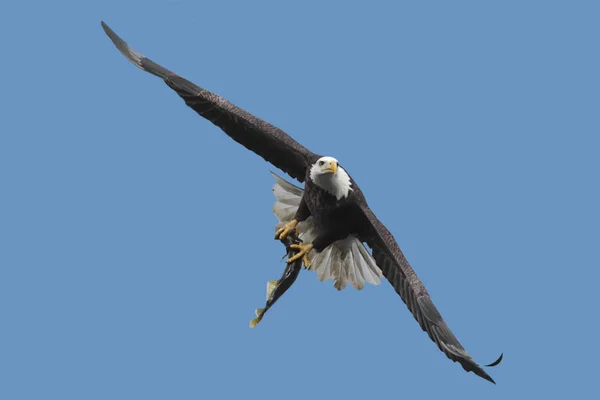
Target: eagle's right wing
{"x":266,"y":140}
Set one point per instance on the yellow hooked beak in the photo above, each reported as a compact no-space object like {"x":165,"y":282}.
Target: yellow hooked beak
{"x":332,"y":168}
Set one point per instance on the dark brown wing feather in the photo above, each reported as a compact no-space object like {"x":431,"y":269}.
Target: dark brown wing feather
{"x":400,"y":274}
{"x":266,"y":140}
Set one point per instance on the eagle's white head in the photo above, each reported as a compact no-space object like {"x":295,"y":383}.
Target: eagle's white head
{"x":327,"y":174}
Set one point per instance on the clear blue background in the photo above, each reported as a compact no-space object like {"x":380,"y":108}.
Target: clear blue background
{"x":136,"y":238}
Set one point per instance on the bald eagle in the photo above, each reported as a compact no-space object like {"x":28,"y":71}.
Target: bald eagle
{"x":330,"y":215}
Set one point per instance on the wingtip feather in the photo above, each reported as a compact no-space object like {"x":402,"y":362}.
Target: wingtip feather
{"x":480,"y":372}
{"x":132,"y":55}
{"x":477,"y":370}
{"x":137,"y":59}
{"x":498,"y":361}
{"x":488,"y":378}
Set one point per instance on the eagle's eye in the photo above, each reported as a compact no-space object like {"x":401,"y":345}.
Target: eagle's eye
{"x":321,"y":163}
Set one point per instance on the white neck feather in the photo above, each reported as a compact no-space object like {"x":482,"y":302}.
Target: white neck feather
{"x":338,"y":185}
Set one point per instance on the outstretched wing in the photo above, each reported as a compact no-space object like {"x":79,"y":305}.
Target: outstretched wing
{"x":400,"y":274}
{"x":266,"y":140}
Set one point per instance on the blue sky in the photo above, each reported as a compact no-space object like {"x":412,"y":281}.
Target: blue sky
{"x":137,"y":237}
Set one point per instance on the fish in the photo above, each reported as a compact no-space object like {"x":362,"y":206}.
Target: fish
{"x":276,"y":288}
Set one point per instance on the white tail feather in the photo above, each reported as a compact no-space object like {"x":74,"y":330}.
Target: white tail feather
{"x":346,"y":261}
{"x":337,"y":271}
{"x":323,"y":258}
{"x":354,"y":276}
{"x":370,"y":271}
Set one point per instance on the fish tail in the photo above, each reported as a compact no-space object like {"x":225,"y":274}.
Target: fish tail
{"x":259,"y":315}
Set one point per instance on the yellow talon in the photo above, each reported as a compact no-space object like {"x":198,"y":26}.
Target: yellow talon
{"x":304,"y":250}
{"x":286,"y":229}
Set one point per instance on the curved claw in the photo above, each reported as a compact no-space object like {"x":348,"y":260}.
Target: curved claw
{"x":304,"y":250}
{"x":286,"y":229}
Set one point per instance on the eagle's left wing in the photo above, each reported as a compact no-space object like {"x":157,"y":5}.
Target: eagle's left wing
{"x":266,"y":140}
{"x":403,"y":278}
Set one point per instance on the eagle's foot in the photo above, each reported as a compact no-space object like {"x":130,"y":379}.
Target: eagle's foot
{"x":304,"y":250}
{"x":286,"y":229}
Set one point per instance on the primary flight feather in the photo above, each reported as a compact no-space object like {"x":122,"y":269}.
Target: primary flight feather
{"x":330,"y":215}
